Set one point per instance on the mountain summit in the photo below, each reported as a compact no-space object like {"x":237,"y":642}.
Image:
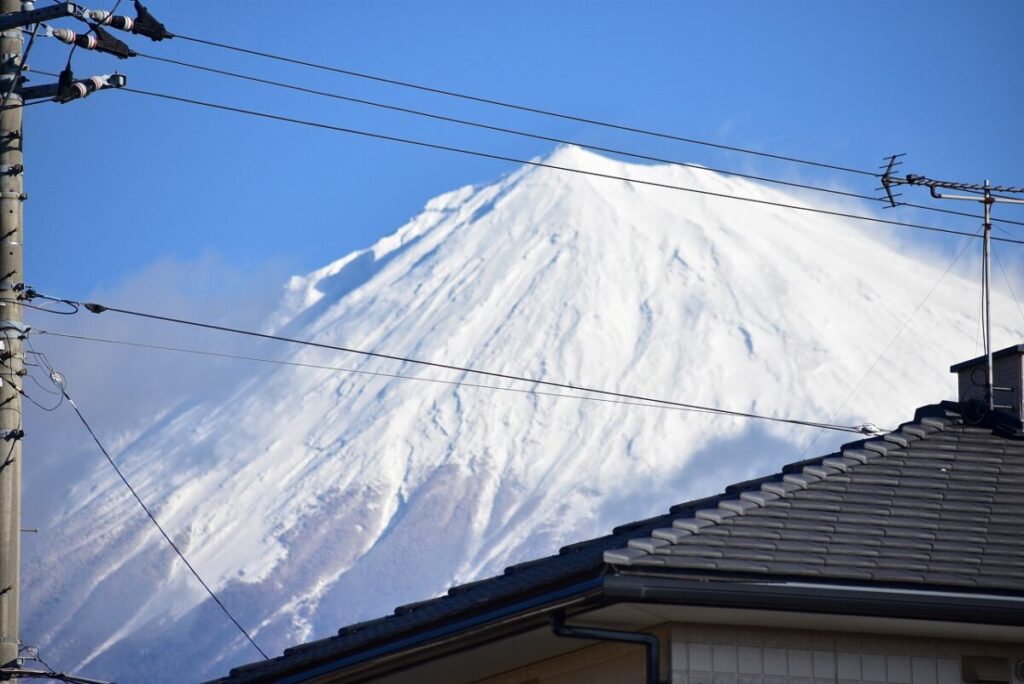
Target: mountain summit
{"x":315,"y":497}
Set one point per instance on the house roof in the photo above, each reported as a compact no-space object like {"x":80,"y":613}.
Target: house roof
{"x":936,"y":504}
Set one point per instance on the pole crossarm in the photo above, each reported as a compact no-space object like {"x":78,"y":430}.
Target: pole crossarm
{"x":35,"y":16}
{"x":68,"y":89}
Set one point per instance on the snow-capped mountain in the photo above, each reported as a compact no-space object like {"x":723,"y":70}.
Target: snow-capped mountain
{"x":311,"y":498}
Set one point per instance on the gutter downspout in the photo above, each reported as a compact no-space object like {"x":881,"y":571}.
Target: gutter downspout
{"x":649,"y":641}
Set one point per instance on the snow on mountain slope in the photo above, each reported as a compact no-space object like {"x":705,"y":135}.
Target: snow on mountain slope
{"x":313,"y":498}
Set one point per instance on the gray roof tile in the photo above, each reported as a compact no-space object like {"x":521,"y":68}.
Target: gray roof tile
{"x":934,"y":502}
{"x":694,"y":525}
{"x":715,"y":515}
{"x":648,"y":544}
{"x":760,"y":498}
{"x":671,"y":534}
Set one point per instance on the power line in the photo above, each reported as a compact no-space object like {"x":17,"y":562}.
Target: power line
{"x":556,"y":167}
{"x":885,"y":350}
{"x":538,"y":136}
{"x":523,"y":108}
{"x":1008,"y":285}
{"x":158,"y":526}
{"x":32,"y":653}
{"x":342,"y":369}
{"x":530,"y":162}
{"x":100,"y":308}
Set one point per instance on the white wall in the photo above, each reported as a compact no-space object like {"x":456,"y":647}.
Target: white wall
{"x":732,"y":655}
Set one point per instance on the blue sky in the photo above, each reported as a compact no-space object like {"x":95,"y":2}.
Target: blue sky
{"x":119,"y":182}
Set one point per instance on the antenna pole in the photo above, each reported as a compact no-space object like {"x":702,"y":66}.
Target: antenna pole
{"x":987,"y":273}
{"x":987,"y":199}
{"x":11,"y":330}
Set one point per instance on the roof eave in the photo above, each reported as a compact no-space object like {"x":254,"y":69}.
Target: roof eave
{"x":813,"y":597}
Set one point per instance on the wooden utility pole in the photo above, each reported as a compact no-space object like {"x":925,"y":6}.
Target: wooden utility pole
{"x":12,"y":240}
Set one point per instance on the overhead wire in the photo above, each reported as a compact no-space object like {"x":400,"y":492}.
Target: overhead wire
{"x":48,"y":409}
{"x":547,"y":165}
{"x":100,"y":308}
{"x":11,"y":377}
{"x":8,"y":375}
{"x":520,"y":107}
{"x":357,"y":371}
{"x":156,"y":523}
{"x":892,"y":341}
{"x":539,"y":164}
{"x":7,"y":458}
{"x":42,"y":387}
{"x":1008,"y":284}
{"x":55,"y":378}
{"x":15,"y":435}
{"x":539,"y":136}
{"x":32,"y":653}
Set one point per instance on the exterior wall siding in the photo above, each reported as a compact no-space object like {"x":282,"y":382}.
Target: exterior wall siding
{"x":731,"y":655}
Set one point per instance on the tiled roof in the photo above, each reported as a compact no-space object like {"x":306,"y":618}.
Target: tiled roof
{"x":935,"y":503}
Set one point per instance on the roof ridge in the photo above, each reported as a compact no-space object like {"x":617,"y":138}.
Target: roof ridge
{"x":780,"y":486}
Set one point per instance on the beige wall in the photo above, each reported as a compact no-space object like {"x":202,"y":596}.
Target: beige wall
{"x":704,"y":654}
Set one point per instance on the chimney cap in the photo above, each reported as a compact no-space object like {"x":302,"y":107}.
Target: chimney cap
{"x":1009,"y":351}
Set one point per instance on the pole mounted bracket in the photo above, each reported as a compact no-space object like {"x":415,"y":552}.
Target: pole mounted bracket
{"x":20,"y":328}
{"x":144,"y":23}
{"x":99,"y":40}
{"x":35,"y":16}
{"x":68,"y":89}
{"x":147,"y":25}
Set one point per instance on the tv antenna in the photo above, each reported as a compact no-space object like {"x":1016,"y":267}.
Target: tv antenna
{"x":987,"y":195}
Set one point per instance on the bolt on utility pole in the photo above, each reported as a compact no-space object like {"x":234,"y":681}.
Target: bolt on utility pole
{"x":984,"y":195}
{"x":12,"y":234}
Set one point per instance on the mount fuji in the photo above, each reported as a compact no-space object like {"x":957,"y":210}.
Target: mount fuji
{"x":310,"y":497}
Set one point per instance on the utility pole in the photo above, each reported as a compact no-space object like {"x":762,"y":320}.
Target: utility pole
{"x":15,"y":15}
{"x":12,"y":240}
{"x":983,"y":195}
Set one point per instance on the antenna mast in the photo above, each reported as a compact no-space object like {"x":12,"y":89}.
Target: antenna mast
{"x":980,"y":193}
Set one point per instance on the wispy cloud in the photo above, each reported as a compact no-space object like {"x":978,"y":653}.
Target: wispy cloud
{"x":123,"y":390}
